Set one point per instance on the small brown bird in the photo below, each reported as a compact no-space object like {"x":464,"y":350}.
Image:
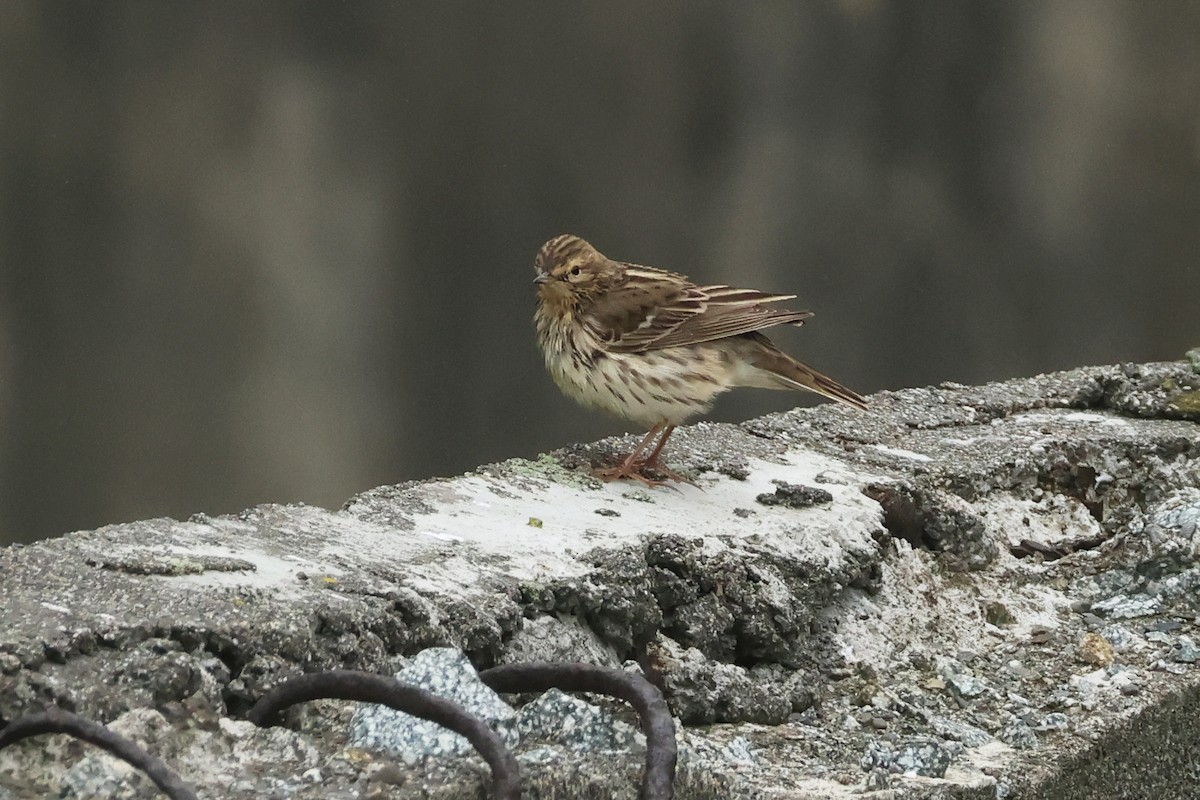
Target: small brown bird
{"x":653,"y":347}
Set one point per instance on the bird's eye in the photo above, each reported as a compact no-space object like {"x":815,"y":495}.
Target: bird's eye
{"x":575,"y":271}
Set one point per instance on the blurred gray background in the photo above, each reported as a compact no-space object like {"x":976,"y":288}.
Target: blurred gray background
{"x":281,"y":251}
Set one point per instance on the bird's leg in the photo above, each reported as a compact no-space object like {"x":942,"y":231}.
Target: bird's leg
{"x":633,"y":467}
{"x":652,"y":461}
{"x":658,"y":448}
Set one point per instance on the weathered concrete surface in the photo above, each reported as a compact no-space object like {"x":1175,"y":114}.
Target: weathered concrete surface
{"x":997,"y":597}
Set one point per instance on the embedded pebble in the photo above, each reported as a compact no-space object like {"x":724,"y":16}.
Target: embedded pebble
{"x":924,"y":756}
{"x":959,"y":679}
{"x":1094,"y":649}
{"x":1185,"y":650}
{"x":447,"y":673}
{"x":1128,"y":606}
{"x":1018,"y":735}
{"x":1053,"y":722}
{"x":566,"y":720}
{"x":969,"y":735}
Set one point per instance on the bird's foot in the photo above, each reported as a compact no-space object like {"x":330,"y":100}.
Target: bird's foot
{"x":637,"y":469}
{"x":656,"y":466}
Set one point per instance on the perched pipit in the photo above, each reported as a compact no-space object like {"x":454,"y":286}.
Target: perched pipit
{"x":651,"y":346}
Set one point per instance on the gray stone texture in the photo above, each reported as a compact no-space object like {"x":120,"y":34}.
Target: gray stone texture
{"x":967,"y":592}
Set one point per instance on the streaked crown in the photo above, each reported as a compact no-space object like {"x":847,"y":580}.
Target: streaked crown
{"x":564,"y":253}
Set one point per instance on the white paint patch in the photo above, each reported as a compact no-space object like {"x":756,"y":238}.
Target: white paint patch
{"x":900,"y":453}
{"x":445,"y":537}
{"x":1086,"y":417}
{"x":304,"y":537}
{"x":1097,"y":419}
{"x":56,"y":608}
{"x":269,"y":570}
{"x":479,"y":528}
{"x":1051,"y":520}
{"x":451,"y":545}
{"x":917,"y":612}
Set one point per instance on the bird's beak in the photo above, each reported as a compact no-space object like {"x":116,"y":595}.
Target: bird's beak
{"x":541,"y":277}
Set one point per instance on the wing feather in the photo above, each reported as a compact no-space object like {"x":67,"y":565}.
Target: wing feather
{"x":654,"y":309}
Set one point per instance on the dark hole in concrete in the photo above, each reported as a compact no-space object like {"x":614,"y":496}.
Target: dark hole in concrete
{"x":902,"y":515}
{"x":1079,"y":482}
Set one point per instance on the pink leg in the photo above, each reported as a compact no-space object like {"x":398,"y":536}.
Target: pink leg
{"x":633,"y":467}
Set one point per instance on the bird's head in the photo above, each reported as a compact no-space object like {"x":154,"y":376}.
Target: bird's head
{"x":569,"y":271}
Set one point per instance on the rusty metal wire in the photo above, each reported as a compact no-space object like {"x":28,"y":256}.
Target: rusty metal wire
{"x":661,"y":750}
{"x":56,"y":720}
{"x":368,"y":687}
{"x":647,"y":700}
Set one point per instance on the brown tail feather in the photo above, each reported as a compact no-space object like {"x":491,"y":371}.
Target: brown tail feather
{"x":791,"y":374}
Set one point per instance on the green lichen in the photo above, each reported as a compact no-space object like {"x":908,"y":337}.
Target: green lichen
{"x":998,"y":614}
{"x":1186,"y":404}
{"x":1193,"y":358}
{"x":547,"y":468}
{"x":183,"y":566}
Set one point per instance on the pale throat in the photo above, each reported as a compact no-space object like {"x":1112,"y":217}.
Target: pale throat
{"x":563,"y":337}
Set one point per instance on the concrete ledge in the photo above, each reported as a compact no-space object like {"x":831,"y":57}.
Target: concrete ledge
{"x":967,"y":592}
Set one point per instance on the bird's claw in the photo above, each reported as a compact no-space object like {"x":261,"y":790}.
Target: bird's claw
{"x":636,"y":470}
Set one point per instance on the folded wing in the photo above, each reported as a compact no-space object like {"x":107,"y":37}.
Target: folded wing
{"x":655,"y":309}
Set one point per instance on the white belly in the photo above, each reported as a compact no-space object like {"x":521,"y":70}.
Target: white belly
{"x":662,"y":385}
